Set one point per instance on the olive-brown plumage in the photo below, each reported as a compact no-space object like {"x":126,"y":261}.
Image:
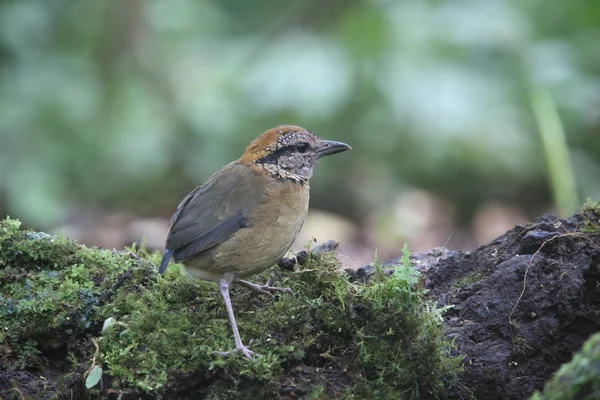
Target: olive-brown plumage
{"x":245,"y":217}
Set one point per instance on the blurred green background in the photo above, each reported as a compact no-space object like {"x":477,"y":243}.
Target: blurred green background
{"x":466,"y":117}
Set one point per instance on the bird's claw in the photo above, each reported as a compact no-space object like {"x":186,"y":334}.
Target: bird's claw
{"x":277,"y":289}
{"x":243,"y":349}
{"x":265,"y":289}
{"x":270,"y":290}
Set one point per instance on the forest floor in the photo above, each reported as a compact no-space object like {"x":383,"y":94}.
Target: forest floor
{"x":510,"y":312}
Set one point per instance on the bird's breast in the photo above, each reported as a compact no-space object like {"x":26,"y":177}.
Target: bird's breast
{"x":271,"y":229}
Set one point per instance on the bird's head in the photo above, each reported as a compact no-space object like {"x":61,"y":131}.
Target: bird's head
{"x":289,"y":152}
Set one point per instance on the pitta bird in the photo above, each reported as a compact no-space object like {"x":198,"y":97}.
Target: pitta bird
{"x":245,"y":217}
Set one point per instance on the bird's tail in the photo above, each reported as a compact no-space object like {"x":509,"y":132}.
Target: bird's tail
{"x":165,"y":261}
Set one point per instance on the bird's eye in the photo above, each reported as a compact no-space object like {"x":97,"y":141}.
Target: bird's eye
{"x":302,"y":147}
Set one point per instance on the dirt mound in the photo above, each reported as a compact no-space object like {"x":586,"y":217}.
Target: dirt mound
{"x":522,"y":305}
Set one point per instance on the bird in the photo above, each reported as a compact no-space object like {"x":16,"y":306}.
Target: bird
{"x":245,"y":217}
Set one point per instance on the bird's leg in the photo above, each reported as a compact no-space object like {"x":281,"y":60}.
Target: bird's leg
{"x":239,"y":346}
{"x":263,"y":289}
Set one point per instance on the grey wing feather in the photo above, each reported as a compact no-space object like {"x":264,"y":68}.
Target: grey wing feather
{"x":210,"y":238}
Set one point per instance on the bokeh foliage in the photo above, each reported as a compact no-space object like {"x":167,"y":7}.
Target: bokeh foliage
{"x":128,"y":104}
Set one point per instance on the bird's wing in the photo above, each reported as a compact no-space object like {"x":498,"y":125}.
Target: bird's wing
{"x":213,"y":212}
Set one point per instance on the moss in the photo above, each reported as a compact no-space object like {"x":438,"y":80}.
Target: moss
{"x":468,"y":279}
{"x":50,"y":287}
{"x":579,"y":379}
{"x":591,"y":206}
{"x":591,"y":214}
{"x":331,"y":339}
{"x":521,"y":347}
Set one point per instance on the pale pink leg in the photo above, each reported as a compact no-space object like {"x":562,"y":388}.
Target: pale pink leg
{"x":239,"y":346}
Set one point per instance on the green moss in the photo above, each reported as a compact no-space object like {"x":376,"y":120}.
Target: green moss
{"x":579,"y":379}
{"x":591,"y":206}
{"x":332,"y":338}
{"x":591,"y":215}
{"x":468,"y":279}
{"x":50,"y":287}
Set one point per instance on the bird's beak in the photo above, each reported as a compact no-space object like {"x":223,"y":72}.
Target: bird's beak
{"x":329,"y":147}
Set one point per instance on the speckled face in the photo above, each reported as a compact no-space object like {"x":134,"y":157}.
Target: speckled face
{"x":293,"y":155}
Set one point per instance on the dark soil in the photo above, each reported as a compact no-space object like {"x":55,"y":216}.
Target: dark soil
{"x":522,"y":305}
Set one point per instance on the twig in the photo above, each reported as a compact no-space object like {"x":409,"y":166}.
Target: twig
{"x":510,"y":321}
{"x":94,"y":357}
{"x":106,"y":295}
{"x":21,"y":396}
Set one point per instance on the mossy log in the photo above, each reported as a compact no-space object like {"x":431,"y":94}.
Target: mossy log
{"x":80,"y":322}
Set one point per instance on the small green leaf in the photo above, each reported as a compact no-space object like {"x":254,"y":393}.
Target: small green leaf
{"x":93,"y":377}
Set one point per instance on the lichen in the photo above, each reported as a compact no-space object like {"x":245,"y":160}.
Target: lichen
{"x":330,"y":339}
{"x":578,"y":379}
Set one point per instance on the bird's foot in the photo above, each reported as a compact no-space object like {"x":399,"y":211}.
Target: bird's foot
{"x":241,"y":349}
{"x":264,"y":289}
{"x":270,"y":290}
